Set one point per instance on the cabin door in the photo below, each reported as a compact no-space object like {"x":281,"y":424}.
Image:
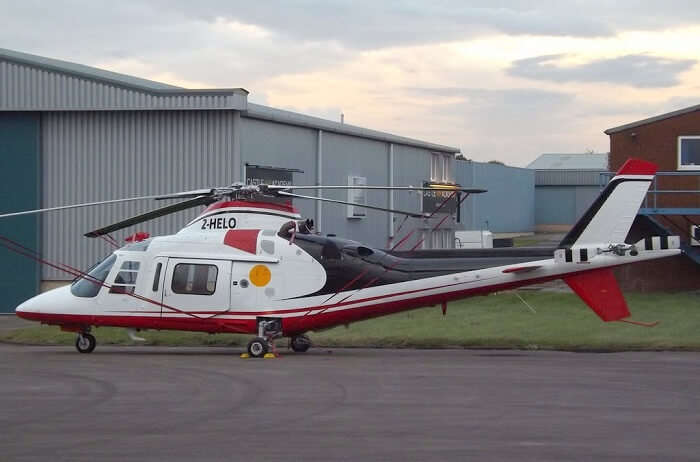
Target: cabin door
{"x":196,"y":287}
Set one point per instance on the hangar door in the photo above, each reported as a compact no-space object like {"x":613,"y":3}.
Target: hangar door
{"x":19,"y":190}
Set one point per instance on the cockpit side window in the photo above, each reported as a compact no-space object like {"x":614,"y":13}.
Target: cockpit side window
{"x":89,"y":286}
{"x":125,"y":281}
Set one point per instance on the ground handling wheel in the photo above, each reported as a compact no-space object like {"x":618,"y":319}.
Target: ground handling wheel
{"x":257,"y":347}
{"x":85,"y":343}
{"x":300,"y":343}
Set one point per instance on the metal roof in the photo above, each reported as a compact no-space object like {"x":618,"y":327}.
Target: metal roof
{"x":257,"y":111}
{"x":570,"y":162}
{"x":638,"y":123}
{"x":82,"y":70}
{"x":36,"y":83}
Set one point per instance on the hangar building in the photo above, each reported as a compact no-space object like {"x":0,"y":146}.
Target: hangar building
{"x":73,"y":134}
{"x":508,"y":206}
{"x":565,"y":186}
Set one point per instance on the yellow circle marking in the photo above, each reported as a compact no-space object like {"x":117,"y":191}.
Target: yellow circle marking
{"x":260,"y":275}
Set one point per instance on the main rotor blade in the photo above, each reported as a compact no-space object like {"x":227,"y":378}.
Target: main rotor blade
{"x":75,"y":206}
{"x":436,"y":187}
{"x":167,"y":210}
{"x":187,"y":194}
{"x":373,"y":207}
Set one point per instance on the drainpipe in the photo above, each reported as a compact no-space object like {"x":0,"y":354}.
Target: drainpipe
{"x":319,"y":178}
{"x":391,"y":193}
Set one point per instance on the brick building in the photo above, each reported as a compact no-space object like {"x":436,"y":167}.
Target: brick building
{"x":672,"y":141}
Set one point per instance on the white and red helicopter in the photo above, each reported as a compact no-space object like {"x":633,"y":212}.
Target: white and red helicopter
{"x":249,"y":265}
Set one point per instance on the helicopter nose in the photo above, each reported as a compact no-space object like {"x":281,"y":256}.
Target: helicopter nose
{"x":46,"y":305}
{"x":25,"y":310}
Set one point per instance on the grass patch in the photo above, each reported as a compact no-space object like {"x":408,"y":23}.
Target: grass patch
{"x":501,"y":320}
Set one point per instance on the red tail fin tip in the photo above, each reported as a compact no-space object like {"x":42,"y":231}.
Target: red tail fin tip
{"x":637,"y":167}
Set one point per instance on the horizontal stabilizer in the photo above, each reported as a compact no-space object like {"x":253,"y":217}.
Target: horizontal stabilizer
{"x":599,"y":289}
{"x":659,"y":243}
{"x":575,"y":255}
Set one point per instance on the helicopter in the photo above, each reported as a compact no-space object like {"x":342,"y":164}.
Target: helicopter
{"x":253,"y":265}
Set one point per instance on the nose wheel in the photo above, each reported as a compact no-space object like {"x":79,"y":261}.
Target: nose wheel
{"x":85,"y":343}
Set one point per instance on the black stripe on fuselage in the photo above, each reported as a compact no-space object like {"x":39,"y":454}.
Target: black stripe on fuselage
{"x":348,"y":262}
{"x":585,"y":220}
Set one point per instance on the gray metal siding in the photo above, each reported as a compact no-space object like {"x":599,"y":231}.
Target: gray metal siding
{"x":509,"y":204}
{"x":568,"y":177}
{"x":286,"y":146}
{"x":93,"y":156}
{"x":30,"y":88}
{"x":343,"y":156}
{"x":256,"y":111}
{"x":585,"y":195}
{"x":555,"y":205}
{"x":563,"y":205}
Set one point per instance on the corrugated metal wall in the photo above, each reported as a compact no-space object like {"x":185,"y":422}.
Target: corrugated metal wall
{"x":93,"y":156}
{"x":30,"y":88}
{"x":563,"y":205}
{"x":569,"y":177}
{"x":289,"y":146}
{"x":562,"y":196}
{"x":509,"y":204}
{"x":285,"y":146}
{"x":346,"y":155}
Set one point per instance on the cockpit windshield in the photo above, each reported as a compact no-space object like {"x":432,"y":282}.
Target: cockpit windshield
{"x":90,"y":287}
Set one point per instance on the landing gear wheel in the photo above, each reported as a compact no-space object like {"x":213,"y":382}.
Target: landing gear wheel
{"x":85,"y":343}
{"x":257,"y":347}
{"x":300,"y":343}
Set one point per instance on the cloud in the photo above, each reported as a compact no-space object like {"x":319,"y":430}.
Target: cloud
{"x":642,"y":71}
{"x":368,"y":24}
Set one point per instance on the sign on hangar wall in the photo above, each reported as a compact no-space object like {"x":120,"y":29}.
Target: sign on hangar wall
{"x":264,"y":174}
{"x":439,"y":199}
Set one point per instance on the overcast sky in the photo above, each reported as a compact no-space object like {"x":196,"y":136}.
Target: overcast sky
{"x":504,"y":80}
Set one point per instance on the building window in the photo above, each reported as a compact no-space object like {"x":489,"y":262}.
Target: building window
{"x":689,"y":153}
{"x":194,"y":279}
{"x":440,"y":168}
{"x":357,"y":196}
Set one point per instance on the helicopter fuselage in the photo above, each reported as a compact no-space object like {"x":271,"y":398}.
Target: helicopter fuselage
{"x":234,"y":265}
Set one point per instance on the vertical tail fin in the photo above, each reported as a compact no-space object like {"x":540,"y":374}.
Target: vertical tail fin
{"x":610,"y":217}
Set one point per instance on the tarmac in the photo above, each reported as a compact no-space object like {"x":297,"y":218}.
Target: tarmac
{"x":177,"y":404}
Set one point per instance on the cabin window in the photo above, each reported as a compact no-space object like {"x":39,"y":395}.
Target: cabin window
{"x":689,"y":153}
{"x":156,"y":278}
{"x":125,"y":281}
{"x":89,"y":286}
{"x":194,"y":279}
